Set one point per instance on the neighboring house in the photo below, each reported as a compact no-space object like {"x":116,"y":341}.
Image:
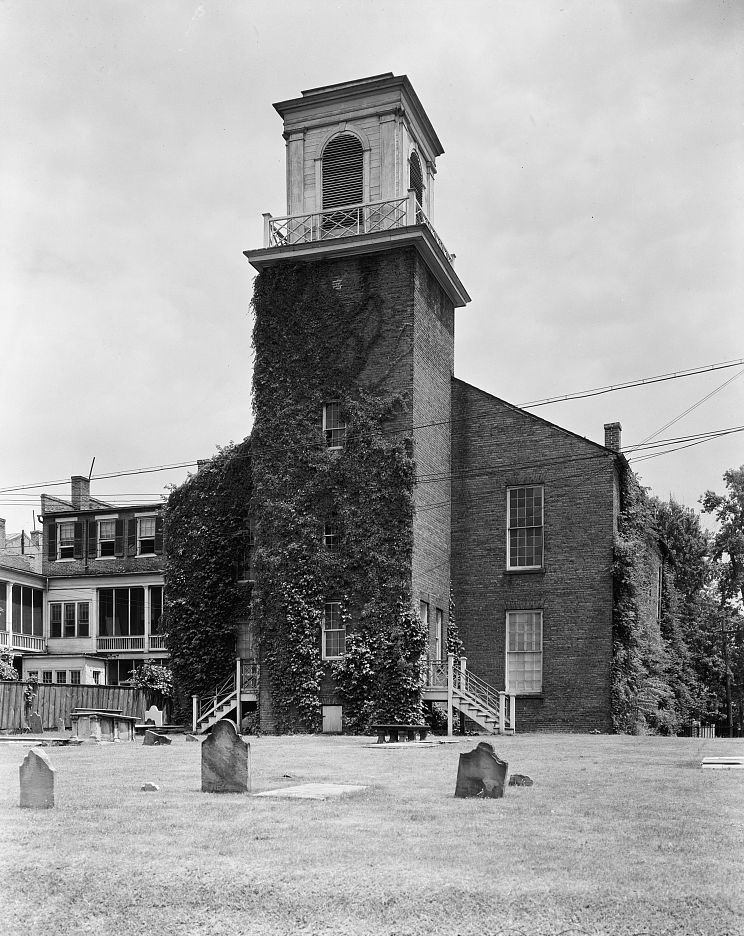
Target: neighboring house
{"x":88,"y":608}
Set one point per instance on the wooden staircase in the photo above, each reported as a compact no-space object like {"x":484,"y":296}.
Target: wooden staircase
{"x":226,"y":700}
{"x":463,"y":691}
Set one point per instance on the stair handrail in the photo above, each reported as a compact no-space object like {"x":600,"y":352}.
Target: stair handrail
{"x":209,"y":704}
{"x":249,"y":675}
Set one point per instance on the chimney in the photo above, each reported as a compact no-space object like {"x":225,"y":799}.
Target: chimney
{"x":2,"y":535}
{"x":612,"y":436}
{"x":35,"y":537}
{"x":80,"y":492}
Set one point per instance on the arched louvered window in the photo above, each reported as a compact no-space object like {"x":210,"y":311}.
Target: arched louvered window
{"x":416,"y":178}
{"x":343,"y":172}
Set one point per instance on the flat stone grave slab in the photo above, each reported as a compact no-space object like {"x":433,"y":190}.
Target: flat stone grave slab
{"x":723,"y":763}
{"x":315,"y":791}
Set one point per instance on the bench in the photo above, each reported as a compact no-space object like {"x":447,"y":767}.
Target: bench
{"x":395,"y":730}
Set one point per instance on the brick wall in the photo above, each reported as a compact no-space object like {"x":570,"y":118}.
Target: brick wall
{"x":433,"y":363}
{"x":494,"y":446}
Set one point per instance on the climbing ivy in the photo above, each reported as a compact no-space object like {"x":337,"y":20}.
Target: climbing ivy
{"x":205,"y":530}
{"x":311,"y":345}
{"x":642,"y":661}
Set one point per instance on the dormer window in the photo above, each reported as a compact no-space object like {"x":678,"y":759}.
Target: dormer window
{"x":343,"y":172}
{"x":106,"y":538}
{"x":66,"y":540}
{"x":145,"y":536}
{"x":334,"y":427}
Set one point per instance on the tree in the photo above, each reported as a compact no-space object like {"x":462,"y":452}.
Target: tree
{"x":7,"y":670}
{"x":728,"y":543}
{"x":728,"y":553}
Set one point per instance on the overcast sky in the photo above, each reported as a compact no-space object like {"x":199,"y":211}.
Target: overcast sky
{"x":591,"y":188}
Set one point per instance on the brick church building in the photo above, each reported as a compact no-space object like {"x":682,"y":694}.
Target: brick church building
{"x":513,"y":517}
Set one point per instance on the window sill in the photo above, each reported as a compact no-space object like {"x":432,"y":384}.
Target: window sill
{"x":539,"y":571}
{"x":67,"y":560}
{"x":151,"y":555}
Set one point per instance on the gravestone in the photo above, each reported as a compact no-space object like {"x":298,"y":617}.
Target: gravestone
{"x":225,"y":761}
{"x":37,"y":781}
{"x":481,"y":773}
{"x":154,"y":716}
{"x":35,"y":723}
{"x":520,"y":779}
{"x":149,"y":787}
{"x":152,"y":738}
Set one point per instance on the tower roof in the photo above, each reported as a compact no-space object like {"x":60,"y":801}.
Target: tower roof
{"x":375,"y":94}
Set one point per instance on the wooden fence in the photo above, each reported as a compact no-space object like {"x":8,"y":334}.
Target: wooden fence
{"x":54,"y":703}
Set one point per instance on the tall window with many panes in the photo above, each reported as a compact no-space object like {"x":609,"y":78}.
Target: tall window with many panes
{"x":334,"y":631}
{"x":524,"y":634}
{"x":524,"y":527}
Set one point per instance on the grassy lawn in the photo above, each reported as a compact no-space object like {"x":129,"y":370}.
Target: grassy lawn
{"x":619,"y":835}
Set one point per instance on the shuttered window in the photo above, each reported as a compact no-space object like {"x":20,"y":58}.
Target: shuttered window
{"x":416,"y":178}
{"x":343,"y":172}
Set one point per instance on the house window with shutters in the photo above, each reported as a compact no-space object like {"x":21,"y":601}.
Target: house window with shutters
{"x":106,"y":538}
{"x":65,"y":540}
{"x":146,"y":536}
{"x":342,"y":168}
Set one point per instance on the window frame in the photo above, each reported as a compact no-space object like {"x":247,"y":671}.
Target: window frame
{"x":69,"y":546}
{"x":146,"y":539}
{"x":59,"y":621}
{"x":510,"y":564}
{"x":331,"y":535}
{"x":110,"y":549}
{"x":334,"y":443}
{"x":538,"y":614}
{"x":325,"y":631}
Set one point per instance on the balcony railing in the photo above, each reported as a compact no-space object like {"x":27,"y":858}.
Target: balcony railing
{"x":348,"y":220}
{"x":142,"y":643}
{"x":115,"y":644}
{"x":27,"y":642}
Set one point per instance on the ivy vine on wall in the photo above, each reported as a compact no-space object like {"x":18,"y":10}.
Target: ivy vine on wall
{"x":309,"y":352}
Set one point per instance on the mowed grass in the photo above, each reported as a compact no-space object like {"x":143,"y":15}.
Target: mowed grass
{"x":618,"y":835}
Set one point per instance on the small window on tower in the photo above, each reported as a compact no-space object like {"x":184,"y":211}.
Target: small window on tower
{"x":331,"y":536}
{"x":334,"y":427}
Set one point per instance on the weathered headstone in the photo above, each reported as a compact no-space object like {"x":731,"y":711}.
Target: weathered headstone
{"x":149,"y":787}
{"x":37,"y":781}
{"x":155,"y":716}
{"x":225,"y":761}
{"x":152,"y":738}
{"x":35,"y":723}
{"x":481,"y":773}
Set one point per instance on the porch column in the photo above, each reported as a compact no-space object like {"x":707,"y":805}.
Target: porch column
{"x":147,"y":618}
{"x":194,"y":712}
{"x":450,"y":678}
{"x":237,"y":686}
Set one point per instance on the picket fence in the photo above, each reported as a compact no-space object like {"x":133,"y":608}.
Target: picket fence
{"x":54,"y":703}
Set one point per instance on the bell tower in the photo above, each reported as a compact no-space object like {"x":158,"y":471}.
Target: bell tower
{"x":360,"y":169}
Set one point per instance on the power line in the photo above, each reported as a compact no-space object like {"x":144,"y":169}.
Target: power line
{"x":633,"y":383}
{"x":694,"y":406}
